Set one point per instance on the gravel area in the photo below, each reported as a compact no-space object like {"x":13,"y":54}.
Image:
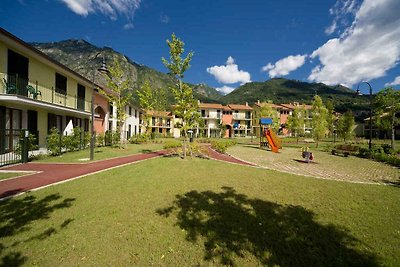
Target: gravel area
{"x":324,"y":165}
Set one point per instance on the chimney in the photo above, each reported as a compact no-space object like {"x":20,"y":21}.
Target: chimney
{"x":198,"y":102}
{"x":247,"y":104}
{"x":258,"y":102}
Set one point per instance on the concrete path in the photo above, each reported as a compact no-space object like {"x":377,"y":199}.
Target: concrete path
{"x":51,"y":173}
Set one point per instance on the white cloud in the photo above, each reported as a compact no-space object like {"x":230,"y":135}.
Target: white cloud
{"x":128,"y":26}
{"x":164,"y":18}
{"x":109,"y":8}
{"x":225,"y":89}
{"x":285,"y":65}
{"x":341,"y":11}
{"x":366,"y":50}
{"x":229,"y":73}
{"x":395,"y":82}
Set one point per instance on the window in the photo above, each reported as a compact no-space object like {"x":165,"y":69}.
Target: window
{"x":203,"y":113}
{"x":111,"y":111}
{"x":130,"y":111}
{"x":80,"y":101}
{"x":135,"y":113}
{"x":61,"y":84}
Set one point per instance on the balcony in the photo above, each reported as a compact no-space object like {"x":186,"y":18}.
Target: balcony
{"x":239,"y":116}
{"x":22,"y":87}
{"x":211,"y":117}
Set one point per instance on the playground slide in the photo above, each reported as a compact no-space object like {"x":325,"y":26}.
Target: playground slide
{"x":273,"y":141}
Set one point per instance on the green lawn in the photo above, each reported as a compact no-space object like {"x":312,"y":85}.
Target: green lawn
{"x":102,"y":153}
{"x":6,"y":175}
{"x":173,"y":212}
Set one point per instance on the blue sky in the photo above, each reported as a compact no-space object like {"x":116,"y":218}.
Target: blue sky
{"x":330,"y":41}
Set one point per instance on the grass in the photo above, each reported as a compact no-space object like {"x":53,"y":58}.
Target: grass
{"x":7,"y":175}
{"x":324,"y":165}
{"x":173,"y":212}
{"x":101,"y":153}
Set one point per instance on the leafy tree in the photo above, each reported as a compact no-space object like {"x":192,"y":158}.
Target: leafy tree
{"x":118,"y":93}
{"x":387,"y":104}
{"x":319,"y":122}
{"x":330,"y":118}
{"x":345,"y":125}
{"x":266,"y":111}
{"x":296,"y":122}
{"x":146,"y":102}
{"x":186,"y":106}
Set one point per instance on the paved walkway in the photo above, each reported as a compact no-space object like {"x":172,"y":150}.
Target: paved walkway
{"x":51,"y":173}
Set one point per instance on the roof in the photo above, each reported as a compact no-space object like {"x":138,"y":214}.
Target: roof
{"x":226,"y":108}
{"x":293,"y":106}
{"x":210,"y":105}
{"x":43,"y":55}
{"x":240,"y":107}
{"x":263,"y":104}
{"x":158,"y":113}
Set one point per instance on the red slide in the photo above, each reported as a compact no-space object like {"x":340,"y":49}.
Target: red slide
{"x":273,"y":141}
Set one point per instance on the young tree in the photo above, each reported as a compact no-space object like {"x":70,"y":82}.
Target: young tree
{"x":266,"y":111}
{"x":119,"y":94}
{"x":387,"y":104}
{"x":330,"y":118}
{"x":345,"y":125}
{"x":146,"y":102}
{"x":296,"y":122}
{"x":319,"y":123}
{"x":186,"y":106}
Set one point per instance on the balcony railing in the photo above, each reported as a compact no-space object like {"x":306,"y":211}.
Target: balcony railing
{"x":241,"y":117}
{"x":208,"y":116}
{"x":16,"y":85}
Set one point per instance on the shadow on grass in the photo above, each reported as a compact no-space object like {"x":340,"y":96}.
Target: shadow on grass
{"x":17,"y":214}
{"x":304,"y":161}
{"x":233,"y":225}
{"x":392,"y":183}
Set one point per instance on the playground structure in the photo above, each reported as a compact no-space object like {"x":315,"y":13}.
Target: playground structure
{"x":267,"y":137}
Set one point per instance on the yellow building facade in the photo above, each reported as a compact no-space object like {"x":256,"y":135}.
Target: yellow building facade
{"x":38,"y":93}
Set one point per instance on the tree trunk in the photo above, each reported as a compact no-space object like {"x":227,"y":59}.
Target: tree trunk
{"x":393,"y":130}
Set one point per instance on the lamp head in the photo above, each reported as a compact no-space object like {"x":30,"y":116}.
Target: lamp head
{"x":358,"y":92}
{"x":103,"y":69}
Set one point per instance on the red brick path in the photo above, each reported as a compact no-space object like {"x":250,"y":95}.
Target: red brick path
{"x":50,"y":173}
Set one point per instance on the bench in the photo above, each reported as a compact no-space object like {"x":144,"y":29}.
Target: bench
{"x":345,"y":150}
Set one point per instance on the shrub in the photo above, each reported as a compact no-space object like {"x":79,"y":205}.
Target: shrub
{"x":222,"y":145}
{"x":115,"y":137}
{"x":54,"y":142}
{"x":172,"y":144}
{"x":378,"y":153}
{"x":100,"y":138}
{"x":138,"y":139}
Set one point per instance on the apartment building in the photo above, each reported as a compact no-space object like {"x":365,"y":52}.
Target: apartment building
{"x":160,"y":122}
{"x":131,"y":125}
{"x":241,"y":119}
{"x":283,"y":112}
{"x":211,"y":114}
{"x":38,"y":93}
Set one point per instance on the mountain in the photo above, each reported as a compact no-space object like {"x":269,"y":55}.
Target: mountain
{"x":84,"y":58}
{"x":281,"y":90}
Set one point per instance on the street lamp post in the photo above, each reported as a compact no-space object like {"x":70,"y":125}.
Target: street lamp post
{"x":370,"y":111}
{"x":102,"y":69}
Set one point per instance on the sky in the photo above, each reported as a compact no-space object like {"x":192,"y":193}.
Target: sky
{"x":234,"y":41}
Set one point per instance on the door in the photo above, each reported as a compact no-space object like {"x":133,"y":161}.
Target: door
{"x":13,"y":128}
{"x":17,"y":70}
